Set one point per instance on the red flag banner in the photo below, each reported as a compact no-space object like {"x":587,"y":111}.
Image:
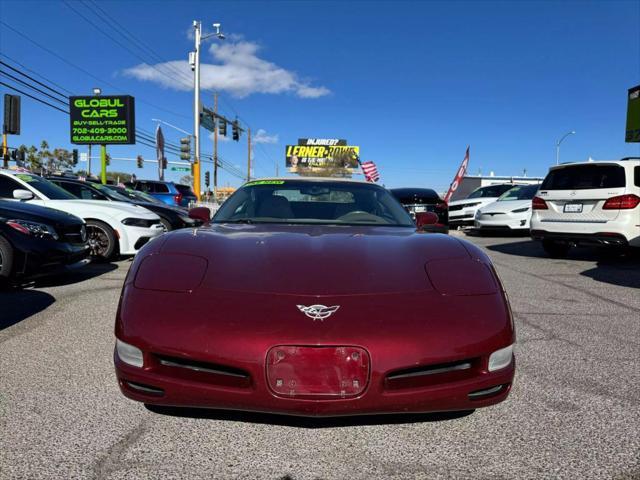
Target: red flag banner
{"x":458,"y":178}
{"x":370,"y":171}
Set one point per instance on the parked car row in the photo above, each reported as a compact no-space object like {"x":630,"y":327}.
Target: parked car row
{"x":592,"y":203}
{"x":58,"y":221}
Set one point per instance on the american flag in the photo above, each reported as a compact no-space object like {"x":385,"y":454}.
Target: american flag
{"x":370,"y":171}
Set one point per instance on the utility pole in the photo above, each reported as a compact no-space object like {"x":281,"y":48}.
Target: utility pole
{"x":215,"y":148}
{"x":249,"y":154}
{"x":572,"y":132}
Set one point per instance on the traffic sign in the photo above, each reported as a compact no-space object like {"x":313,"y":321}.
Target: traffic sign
{"x":180,"y":169}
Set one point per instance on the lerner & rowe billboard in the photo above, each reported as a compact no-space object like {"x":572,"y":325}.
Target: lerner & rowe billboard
{"x":319,"y":154}
{"x":102,"y":120}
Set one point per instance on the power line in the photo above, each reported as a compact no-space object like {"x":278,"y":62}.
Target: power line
{"x":33,"y":79}
{"x":16,"y":79}
{"x":101,"y":80}
{"x":36,"y":73}
{"x":31,"y":96}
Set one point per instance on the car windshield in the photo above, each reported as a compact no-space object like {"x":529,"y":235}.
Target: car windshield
{"x":111,"y":193}
{"x":45,"y":187}
{"x":519,"y":193}
{"x":313,"y":202}
{"x":492,"y":191}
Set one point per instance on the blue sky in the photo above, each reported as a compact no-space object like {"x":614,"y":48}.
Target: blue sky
{"x":412,"y":83}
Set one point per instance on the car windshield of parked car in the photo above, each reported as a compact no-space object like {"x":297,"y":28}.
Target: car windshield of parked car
{"x":490,"y":192}
{"x":585,"y":177}
{"x":313,"y":202}
{"x":112,"y":194}
{"x":519,"y":193}
{"x":45,"y":187}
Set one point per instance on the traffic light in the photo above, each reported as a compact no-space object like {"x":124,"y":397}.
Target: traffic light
{"x":17,"y":155}
{"x":74,"y":156}
{"x":236,"y":131}
{"x":11,"y":124}
{"x":222,"y":127}
{"x":140,"y":161}
{"x":207,"y":177}
{"x":185,"y":148}
{"x":108,"y":159}
{"x":164,"y":163}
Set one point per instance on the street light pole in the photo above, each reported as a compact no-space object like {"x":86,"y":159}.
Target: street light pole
{"x":198,"y":37}
{"x":572,"y":132}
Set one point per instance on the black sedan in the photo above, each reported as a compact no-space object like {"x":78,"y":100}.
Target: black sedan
{"x":35,"y":239}
{"x":416,"y":200}
{"x":172,"y":218}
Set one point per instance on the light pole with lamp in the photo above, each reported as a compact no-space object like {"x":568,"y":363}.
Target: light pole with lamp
{"x":572,"y":132}
{"x":194,"y":61}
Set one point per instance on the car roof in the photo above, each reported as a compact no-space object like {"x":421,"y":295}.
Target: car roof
{"x":622,"y":162}
{"x":312,"y":179}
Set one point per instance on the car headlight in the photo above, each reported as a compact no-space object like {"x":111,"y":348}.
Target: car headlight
{"x":478,"y":214}
{"x":38,"y":230}
{"x":520,"y":210}
{"x":501,"y":358}
{"x":129,"y":354}
{"x":139,"y":222}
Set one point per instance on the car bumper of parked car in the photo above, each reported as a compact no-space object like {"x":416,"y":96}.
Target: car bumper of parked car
{"x":133,"y":239}
{"x":44,"y":256}
{"x":594,"y":239}
{"x":437,"y":228}
{"x":502,"y":223}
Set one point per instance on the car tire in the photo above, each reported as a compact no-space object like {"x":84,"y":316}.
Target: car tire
{"x":556,"y":249}
{"x":6,"y":259}
{"x":102,"y":240}
{"x":165,"y":223}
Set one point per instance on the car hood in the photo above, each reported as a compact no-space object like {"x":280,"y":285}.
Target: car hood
{"x":506,"y":206}
{"x":311,"y":260}
{"x":36,"y":213}
{"x":84,"y":208}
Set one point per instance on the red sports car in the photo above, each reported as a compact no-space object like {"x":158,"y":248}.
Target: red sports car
{"x":313,"y":297}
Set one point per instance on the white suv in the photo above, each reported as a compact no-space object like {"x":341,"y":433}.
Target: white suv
{"x":593,"y":203}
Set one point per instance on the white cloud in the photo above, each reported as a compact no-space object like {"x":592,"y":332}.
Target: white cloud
{"x":221,"y":138}
{"x":236,"y":69}
{"x":261,"y":136}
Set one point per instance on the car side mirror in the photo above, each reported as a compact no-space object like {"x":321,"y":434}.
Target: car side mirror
{"x":425,"y":218}
{"x":200,"y":213}
{"x":20,"y":194}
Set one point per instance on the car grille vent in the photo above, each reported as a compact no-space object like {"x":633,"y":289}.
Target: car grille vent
{"x":428,"y":375}
{"x":75,"y":234}
{"x":203,"y":371}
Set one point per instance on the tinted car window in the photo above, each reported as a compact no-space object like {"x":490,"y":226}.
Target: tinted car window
{"x":185,"y":190}
{"x":7,"y":186}
{"x":583,"y":177}
{"x":47,"y":188}
{"x":159,"y":188}
{"x":636,"y":174}
{"x":414,"y":196}
{"x":491,"y":191}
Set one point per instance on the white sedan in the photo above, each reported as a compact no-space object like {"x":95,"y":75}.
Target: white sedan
{"x":112,"y":227}
{"x":512,"y":211}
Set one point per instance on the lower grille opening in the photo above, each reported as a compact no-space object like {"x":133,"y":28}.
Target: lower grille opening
{"x":427,"y":375}
{"x":144,"y":389}
{"x":142,"y":241}
{"x":487,"y":392}
{"x":203,"y":371}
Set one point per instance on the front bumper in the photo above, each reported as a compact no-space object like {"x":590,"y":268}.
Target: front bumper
{"x":152,"y":387}
{"x":37,"y":256}
{"x":133,"y":239}
{"x":503,"y":223}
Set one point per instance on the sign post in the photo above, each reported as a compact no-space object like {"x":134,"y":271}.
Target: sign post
{"x":633,"y":116}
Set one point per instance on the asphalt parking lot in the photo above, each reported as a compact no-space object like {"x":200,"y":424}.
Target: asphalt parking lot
{"x":574,"y":411}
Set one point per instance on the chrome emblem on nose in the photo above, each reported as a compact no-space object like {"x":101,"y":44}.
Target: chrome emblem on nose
{"x":317,"y":312}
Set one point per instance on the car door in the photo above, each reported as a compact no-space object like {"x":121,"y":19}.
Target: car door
{"x":577,"y":193}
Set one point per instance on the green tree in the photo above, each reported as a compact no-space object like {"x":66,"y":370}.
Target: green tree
{"x":33,"y":160}
{"x":186,"y":180}
{"x":45,"y":156}
{"x":62,"y":159}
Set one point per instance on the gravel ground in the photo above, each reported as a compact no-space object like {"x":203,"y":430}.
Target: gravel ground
{"x":573,"y":412}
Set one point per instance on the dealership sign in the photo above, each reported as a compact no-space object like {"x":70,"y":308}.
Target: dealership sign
{"x":317,"y":154}
{"x":633,"y":115}
{"x":102,"y":120}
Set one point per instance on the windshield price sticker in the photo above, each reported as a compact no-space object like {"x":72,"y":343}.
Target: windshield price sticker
{"x":103,"y":120}
{"x":264,"y":182}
